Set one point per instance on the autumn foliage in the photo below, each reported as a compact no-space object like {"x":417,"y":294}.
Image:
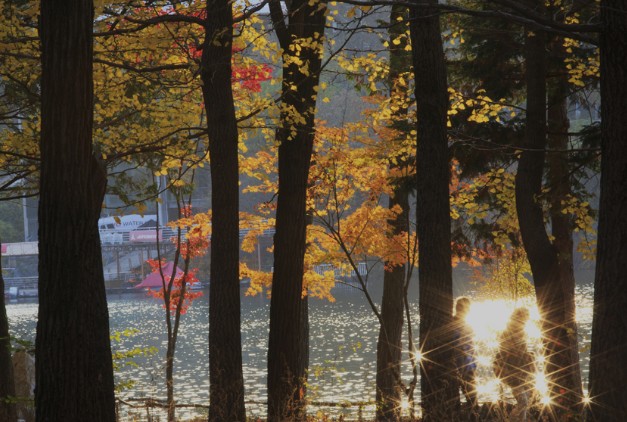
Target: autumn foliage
{"x":179,"y":285}
{"x":176,"y":291}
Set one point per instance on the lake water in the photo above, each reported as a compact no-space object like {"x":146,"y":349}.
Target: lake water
{"x":343,"y":338}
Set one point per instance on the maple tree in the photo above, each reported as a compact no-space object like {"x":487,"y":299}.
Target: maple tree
{"x":176,"y":289}
{"x":347,"y":183}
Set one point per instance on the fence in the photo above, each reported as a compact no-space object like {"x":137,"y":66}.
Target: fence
{"x":20,"y":286}
{"x":154,"y":410}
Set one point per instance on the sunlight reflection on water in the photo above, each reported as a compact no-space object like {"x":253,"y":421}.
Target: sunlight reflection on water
{"x":489,"y":317}
{"x":343,"y":339}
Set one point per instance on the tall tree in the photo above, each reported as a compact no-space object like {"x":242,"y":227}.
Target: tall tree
{"x":559,"y":181}
{"x":74,"y":372}
{"x":608,"y":366}
{"x":438,"y":388}
{"x":300,"y":35}
{"x":389,"y":345}
{"x":225,"y":345}
{"x":552,"y":275}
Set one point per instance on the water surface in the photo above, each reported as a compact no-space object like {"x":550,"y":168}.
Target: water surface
{"x":343,"y":338}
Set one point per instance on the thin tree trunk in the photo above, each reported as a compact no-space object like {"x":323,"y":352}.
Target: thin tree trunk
{"x":542,"y":254}
{"x":169,"y":379}
{"x":304,"y":343}
{"x":389,"y":345}
{"x":7,"y":383}
{"x":389,"y":389}
{"x":74,"y":372}
{"x":301,"y":67}
{"x":225,"y":345}
{"x":173,"y":317}
{"x":608,"y":360}
{"x":561,"y":226}
{"x":438,"y":387}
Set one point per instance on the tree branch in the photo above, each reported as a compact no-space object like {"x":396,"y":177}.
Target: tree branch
{"x":574,"y":31}
{"x":131,"y":68}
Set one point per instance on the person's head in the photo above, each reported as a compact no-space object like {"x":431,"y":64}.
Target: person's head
{"x":462,"y":306}
{"x":519,"y":317}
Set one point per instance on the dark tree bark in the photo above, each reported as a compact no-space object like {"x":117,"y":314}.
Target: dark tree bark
{"x":561,"y":224}
{"x":550,"y":283}
{"x":73,"y":361}
{"x":301,"y":67}
{"x":304,"y":342}
{"x":225,"y":346}
{"x":438,"y":387}
{"x":7,"y":385}
{"x":608,"y":361}
{"x":389,"y":345}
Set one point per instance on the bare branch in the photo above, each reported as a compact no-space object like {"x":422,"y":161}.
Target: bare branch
{"x":574,"y":31}
{"x":149,"y":69}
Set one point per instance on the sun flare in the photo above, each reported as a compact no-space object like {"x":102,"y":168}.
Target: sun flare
{"x":541,"y":384}
{"x":488,"y":318}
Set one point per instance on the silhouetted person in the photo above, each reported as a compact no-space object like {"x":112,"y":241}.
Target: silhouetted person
{"x":514,"y":364}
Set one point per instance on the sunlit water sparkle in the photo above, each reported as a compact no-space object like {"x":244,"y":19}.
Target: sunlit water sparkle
{"x":343,"y":339}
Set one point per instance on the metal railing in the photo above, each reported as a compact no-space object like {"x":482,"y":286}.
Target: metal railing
{"x":148,"y":403}
{"x":20,"y":286}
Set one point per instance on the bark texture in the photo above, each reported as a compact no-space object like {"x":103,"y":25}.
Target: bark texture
{"x":562,"y":227}
{"x":550,"y":276}
{"x":389,"y":344}
{"x":438,"y":387}
{"x":608,"y":361}
{"x":304,"y":26}
{"x":73,"y":362}
{"x":389,"y":388}
{"x":225,"y":345}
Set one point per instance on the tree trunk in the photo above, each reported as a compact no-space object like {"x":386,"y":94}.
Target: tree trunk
{"x":301,"y":67}
{"x":7,"y":384}
{"x":169,"y":379}
{"x":561,"y":225}
{"x":225,"y":345}
{"x":542,"y":254}
{"x":438,"y":387}
{"x":389,"y":345}
{"x":73,"y":362}
{"x":304,"y":343}
{"x":608,"y":360}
